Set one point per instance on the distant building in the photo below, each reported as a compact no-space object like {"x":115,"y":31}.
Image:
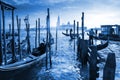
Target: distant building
{"x":110,"y":29}
{"x":66,"y":26}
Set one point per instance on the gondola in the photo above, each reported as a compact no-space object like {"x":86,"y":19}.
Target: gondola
{"x":102,"y":46}
{"x":73,"y":35}
{"x":23,"y":64}
{"x":66,"y":34}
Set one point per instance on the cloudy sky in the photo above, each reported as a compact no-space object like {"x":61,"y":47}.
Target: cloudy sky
{"x":97,"y":12}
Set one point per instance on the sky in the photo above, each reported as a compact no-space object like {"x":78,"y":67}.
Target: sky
{"x":96,"y":12}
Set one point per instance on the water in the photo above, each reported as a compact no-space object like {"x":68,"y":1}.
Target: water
{"x":64,"y":63}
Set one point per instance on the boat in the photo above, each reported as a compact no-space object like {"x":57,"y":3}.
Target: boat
{"x":72,"y":36}
{"x":109,"y":31}
{"x":66,"y":34}
{"x":26,"y":61}
{"x":105,"y":37}
{"x":39,"y":50}
{"x":101,"y":46}
{"x":21,"y":65}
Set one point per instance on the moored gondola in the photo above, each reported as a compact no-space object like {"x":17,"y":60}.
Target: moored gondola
{"x":66,"y":34}
{"x":19,"y":66}
{"x":102,"y":46}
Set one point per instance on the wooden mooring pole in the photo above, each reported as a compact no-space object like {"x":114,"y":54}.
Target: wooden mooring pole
{"x":13,"y":38}
{"x":28,"y":42}
{"x":36,"y":35}
{"x":110,"y":67}
{"x":74,"y":34}
{"x":26,"y":20}
{"x":39,"y":30}
{"x":1,"y":51}
{"x":58,"y":24}
{"x":18,"y":27}
{"x":82,"y":51}
{"x":78,"y":38}
{"x":77,"y":30}
{"x":4,"y":36}
{"x":48,"y":41}
{"x":10,"y":28}
{"x":50,"y":36}
{"x":83,"y":25}
{"x":56,"y":38}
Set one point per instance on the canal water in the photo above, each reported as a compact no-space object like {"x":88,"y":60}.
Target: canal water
{"x":64,"y":63}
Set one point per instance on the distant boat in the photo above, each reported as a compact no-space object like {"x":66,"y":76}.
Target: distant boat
{"x":72,"y":36}
{"x":66,"y":34}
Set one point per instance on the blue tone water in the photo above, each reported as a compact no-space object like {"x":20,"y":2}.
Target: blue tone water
{"x":64,"y":63}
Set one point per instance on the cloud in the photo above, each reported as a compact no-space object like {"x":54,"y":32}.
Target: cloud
{"x":21,"y":1}
{"x":97,"y":12}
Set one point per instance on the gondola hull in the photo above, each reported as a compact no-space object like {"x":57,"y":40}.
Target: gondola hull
{"x":11,"y":70}
{"x":101,"y":46}
{"x":65,"y":34}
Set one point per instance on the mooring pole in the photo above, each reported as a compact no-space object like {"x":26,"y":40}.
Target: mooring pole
{"x":10,"y":28}
{"x":26,"y":20}
{"x":39,"y":30}
{"x":18,"y":26}
{"x":77,"y":29}
{"x":13,"y":38}
{"x":83,"y":25}
{"x":29,"y":46}
{"x":1,"y":53}
{"x":50,"y":36}
{"x":47,"y":43}
{"x":74,"y":34}
{"x":58,"y":24}
{"x":36,"y":36}
{"x":4,"y":35}
{"x":19,"y":38}
{"x":110,"y":67}
{"x":56,"y":39}
{"x":77,"y":35}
